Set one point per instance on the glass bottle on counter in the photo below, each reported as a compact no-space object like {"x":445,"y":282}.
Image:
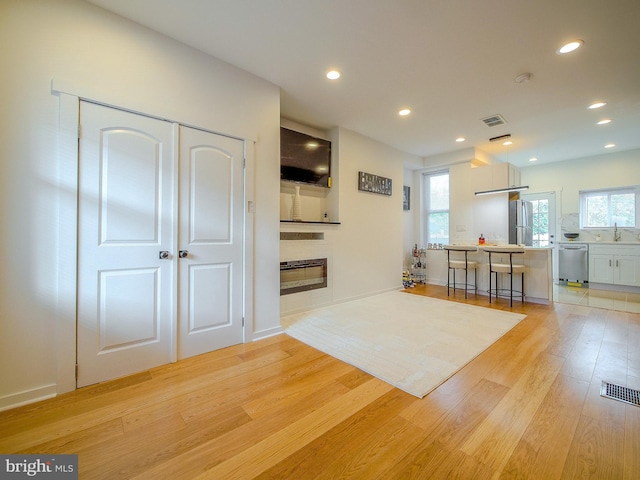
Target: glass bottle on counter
{"x":481,"y":239}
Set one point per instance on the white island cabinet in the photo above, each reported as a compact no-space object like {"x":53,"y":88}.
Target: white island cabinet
{"x":614,"y":264}
{"x":538,"y":277}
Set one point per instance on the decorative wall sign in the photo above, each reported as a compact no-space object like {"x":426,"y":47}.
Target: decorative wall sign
{"x":367,"y":182}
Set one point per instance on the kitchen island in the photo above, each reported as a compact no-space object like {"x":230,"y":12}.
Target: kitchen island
{"x":538,"y":277}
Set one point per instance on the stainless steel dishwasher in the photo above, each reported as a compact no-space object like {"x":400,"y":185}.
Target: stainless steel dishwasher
{"x":573,"y":263}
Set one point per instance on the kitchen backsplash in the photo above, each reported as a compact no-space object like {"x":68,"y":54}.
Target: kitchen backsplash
{"x":570,"y":223}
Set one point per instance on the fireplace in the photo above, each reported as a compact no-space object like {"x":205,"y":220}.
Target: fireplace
{"x":302,"y":275}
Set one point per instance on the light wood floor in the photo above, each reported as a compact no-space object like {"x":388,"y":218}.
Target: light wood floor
{"x":528,"y":407}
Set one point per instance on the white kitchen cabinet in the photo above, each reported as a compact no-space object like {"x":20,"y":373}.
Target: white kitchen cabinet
{"x":495,"y":176}
{"x":615,"y":264}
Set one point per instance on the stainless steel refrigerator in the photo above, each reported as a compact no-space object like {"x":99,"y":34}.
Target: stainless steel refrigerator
{"x":521,"y":222}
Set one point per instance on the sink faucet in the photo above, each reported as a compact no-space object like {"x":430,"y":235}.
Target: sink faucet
{"x":616,"y":235}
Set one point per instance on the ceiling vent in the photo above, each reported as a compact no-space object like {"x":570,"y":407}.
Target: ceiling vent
{"x":494,"y":120}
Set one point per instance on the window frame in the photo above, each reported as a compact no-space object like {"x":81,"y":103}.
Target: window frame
{"x":584,"y":194}
{"x":426,"y":207}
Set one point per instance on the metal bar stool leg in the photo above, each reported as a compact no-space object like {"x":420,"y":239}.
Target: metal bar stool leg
{"x":475,"y":285}
{"x":511,"y":291}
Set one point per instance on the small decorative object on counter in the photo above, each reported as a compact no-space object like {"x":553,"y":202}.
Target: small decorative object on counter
{"x":481,"y":240}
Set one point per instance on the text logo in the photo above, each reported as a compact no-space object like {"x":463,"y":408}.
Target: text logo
{"x":51,"y":467}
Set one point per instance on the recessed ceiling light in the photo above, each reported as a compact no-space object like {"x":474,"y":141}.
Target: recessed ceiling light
{"x":404,"y":112}
{"x":604,"y":121}
{"x":533,"y":159}
{"x":507,"y":143}
{"x":593,"y":106}
{"x":571,"y":46}
{"x":333,"y":74}
{"x":610,"y":145}
{"x":460,"y":139}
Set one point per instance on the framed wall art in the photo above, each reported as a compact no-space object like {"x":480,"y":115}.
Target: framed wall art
{"x":368,"y":182}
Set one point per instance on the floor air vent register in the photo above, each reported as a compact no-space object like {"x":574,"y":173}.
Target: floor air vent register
{"x":622,"y":394}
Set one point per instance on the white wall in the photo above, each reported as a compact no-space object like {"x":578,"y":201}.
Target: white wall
{"x":368,"y":251}
{"x":411,"y":218}
{"x":618,"y":169}
{"x":365,"y":250}
{"x":567,"y":178}
{"x":89,"y":52}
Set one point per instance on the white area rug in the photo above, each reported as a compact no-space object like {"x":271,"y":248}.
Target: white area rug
{"x":410,"y":341}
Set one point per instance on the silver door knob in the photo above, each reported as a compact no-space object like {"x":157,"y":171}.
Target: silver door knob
{"x":183,"y":253}
{"x":163,"y":255}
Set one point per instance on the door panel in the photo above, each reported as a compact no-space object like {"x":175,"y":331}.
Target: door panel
{"x":130,"y":189}
{"x":126,"y":318}
{"x":211,"y":199}
{"x":124,"y":295}
{"x":210,"y":297}
{"x":211,"y":230}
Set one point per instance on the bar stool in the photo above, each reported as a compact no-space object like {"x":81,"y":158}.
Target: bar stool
{"x":456,"y":261}
{"x":510,"y":269}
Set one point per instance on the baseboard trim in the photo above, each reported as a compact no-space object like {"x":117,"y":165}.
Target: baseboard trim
{"x":270,"y":332}
{"x":27,"y":397}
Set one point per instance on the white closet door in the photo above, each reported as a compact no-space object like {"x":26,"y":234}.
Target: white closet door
{"x":211,"y":242}
{"x":126,"y":289}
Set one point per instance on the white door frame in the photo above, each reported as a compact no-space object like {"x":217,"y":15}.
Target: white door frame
{"x":67,"y":249}
{"x":553,"y":224}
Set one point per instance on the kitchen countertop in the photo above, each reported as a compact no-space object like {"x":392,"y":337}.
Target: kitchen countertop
{"x":593,"y":242}
{"x":480,"y":247}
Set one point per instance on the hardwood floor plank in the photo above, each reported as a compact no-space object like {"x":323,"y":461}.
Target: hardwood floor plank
{"x":633,"y":351}
{"x":312,"y":459}
{"x":139,"y":451}
{"x":543,"y":448}
{"x":583,"y":356}
{"x":110,"y":431}
{"x":275,"y":448}
{"x":531,"y":347}
{"x":287,"y":395}
{"x":631,"y":443}
{"x":568,"y":331}
{"x":451,"y":433}
{"x":597,"y":452}
{"x":279,"y":409}
{"x":612,"y":362}
{"x":432,"y":461}
{"x":376,"y":454}
{"x":493,"y":446}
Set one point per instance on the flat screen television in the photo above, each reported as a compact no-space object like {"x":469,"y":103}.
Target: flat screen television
{"x":304,"y":158}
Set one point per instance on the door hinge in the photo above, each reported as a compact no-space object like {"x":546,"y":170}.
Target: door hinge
{"x":79,"y":131}
{"x":243,"y":321}
{"x":76,"y":371}
{"x":244,"y":162}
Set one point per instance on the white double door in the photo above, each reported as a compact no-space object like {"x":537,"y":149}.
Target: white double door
{"x":160,"y":243}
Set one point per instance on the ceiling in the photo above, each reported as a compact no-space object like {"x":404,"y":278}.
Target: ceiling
{"x":453,"y":62}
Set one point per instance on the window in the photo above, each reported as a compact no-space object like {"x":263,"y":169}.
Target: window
{"x":540,"y":222}
{"x":436,"y":207}
{"x":606,"y":208}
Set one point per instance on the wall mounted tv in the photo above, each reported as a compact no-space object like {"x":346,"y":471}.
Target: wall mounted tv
{"x":304,"y":159}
